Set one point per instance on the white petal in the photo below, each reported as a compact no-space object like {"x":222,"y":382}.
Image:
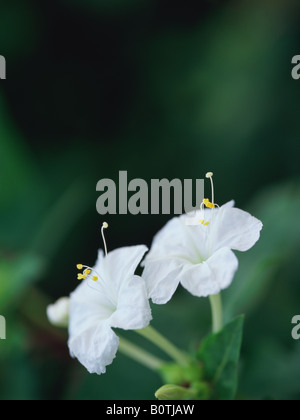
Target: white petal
{"x":89,"y":302}
{"x":95,"y":348}
{"x":235,"y":229}
{"x":91,"y":339}
{"x":229,"y":205}
{"x":172,"y":241}
{"x":212,"y":276}
{"x":162,"y":278}
{"x":122,"y":263}
{"x":113,"y":270}
{"x":133,"y":309}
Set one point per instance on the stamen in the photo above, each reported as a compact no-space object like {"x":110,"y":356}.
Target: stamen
{"x":104,"y":226}
{"x":210,"y":176}
{"x":208,"y":204}
{"x":88,"y":270}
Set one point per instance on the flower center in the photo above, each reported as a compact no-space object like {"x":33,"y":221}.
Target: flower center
{"x":88,"y":270}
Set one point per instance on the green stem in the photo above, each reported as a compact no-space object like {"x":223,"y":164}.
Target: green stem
{"x":160,"y":341}
{"x":139,"y":355}
{"x":217,"y":312}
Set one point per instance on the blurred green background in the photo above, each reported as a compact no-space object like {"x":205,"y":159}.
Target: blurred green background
{"x":161,"y":89}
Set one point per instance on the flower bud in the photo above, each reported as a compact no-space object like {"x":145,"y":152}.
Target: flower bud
{"x":175,"y":392}
{"x":58,"y":313}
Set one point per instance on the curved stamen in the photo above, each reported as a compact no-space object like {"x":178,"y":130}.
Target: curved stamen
{"x":88,"y":270}
{"x":104,"y":226}
{"x":206,"y":203}
{"x":210,"y":176}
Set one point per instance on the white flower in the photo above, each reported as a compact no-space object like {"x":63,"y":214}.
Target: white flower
{"x":195,"y":250}
{"x":58,"y":313}
{"x":114,"y":298}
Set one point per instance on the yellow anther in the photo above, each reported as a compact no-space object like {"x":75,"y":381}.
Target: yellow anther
{"x":87,"y":272}
{"x":79,"y":266}
{"x":95,"y":278}
{"x":80,"y":277}
{"x":209,"y":175}
{"x":202,"y":222}
{"x":208,"y":204}
{"x":105,"y":225}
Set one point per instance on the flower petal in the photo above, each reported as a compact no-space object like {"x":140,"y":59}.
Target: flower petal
{"x":162,"y":278}
{"x":91,"y":339}
{"x":212,"y":276}
{"x":89,"y":303}
{"x":172,"y":241}
{"x":235,"y":229}
{"x":95,"y":348}
{"x":122,"y":263}
{"x":133,"y":309}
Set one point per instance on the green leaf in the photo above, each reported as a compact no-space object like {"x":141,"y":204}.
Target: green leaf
{"x":220,"y":354}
